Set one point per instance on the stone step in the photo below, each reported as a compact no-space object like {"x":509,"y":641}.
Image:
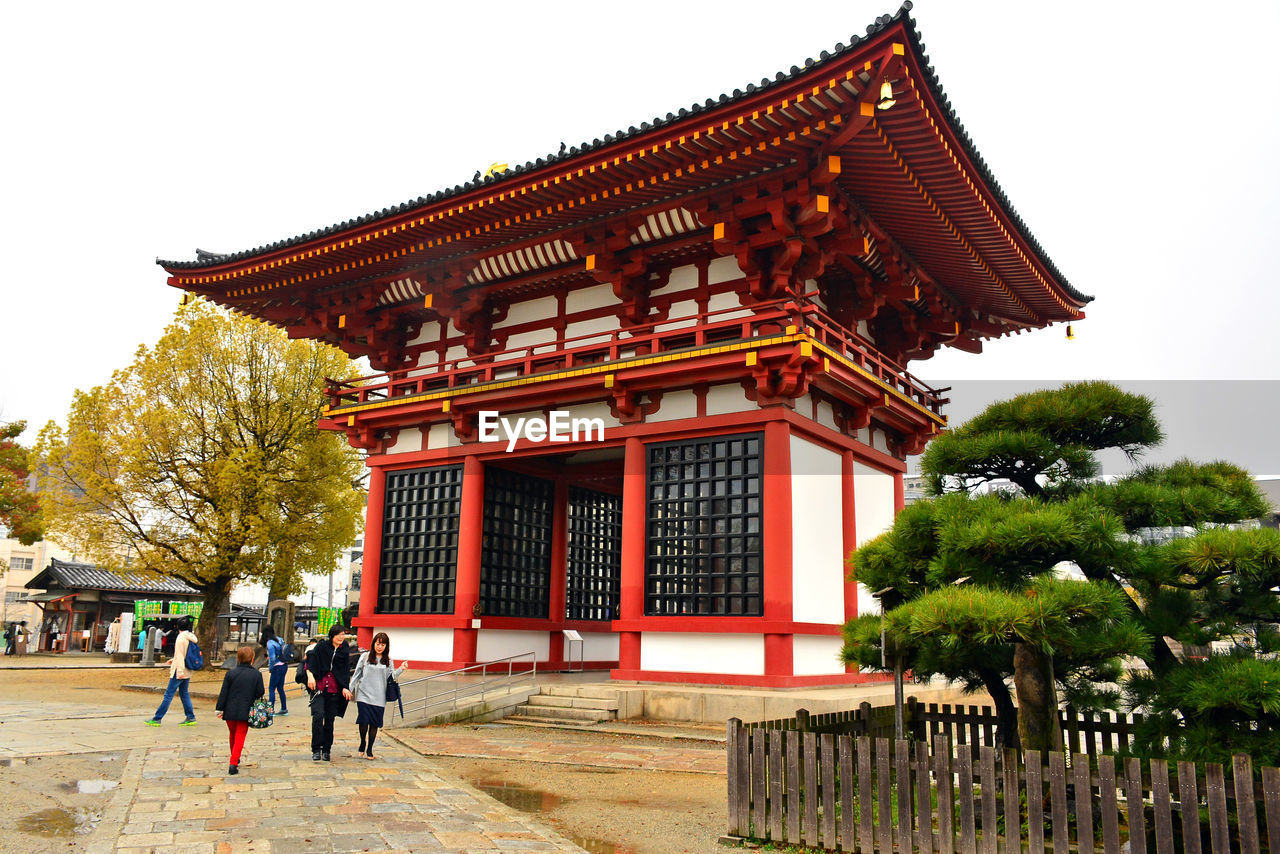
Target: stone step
{"x":544,"y":700}
{"x":546,"y":723}
{"x":595,"y":692}
{"x":558,"y":713}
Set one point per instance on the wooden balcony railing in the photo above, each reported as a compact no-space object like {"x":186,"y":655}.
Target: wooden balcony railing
{"x":666,"y":336}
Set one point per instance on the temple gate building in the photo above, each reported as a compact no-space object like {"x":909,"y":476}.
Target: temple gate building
{"x":706,"y":323}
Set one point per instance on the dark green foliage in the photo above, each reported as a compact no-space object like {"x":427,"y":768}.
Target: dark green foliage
{"x":1093,"y":415}
{"x":1042,"y":439}
{"x":1207,"y":709}
{"x":1143,"y":598}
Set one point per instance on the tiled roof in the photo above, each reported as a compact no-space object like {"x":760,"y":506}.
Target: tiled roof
{"x":86,"y":576}
{"x":207,"y":259}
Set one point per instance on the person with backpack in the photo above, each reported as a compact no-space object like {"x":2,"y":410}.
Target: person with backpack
{"x":279,"y":654}
{"x":240,"y":687}
{"x":369,"y":686}
{"x":329,"y":681}
{"x":180,"y":668}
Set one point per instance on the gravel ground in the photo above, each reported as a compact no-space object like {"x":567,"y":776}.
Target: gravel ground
{"x":610,"y":811}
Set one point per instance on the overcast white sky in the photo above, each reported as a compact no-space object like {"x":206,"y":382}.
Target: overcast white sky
{"x":1138,"y":141}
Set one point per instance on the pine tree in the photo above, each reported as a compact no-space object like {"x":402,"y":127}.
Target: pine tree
{"x":976,"y":594}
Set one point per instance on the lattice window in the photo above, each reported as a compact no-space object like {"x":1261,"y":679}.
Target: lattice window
{"x":594,"y":555}
{"x":703,"y":527}
{"x":420,"y":541}
{"x":515,"y":573}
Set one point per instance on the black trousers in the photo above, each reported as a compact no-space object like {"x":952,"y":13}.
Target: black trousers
{"x":324,"y":708}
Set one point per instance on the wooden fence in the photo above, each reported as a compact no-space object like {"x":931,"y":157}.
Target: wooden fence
{"x":1083,"y":732}
{"x":856,"y":793}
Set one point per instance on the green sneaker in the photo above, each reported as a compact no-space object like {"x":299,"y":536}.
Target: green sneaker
{"x":188,"y":722}
{"x":151,"y":722}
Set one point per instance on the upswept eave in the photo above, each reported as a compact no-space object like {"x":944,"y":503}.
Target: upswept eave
{"x":1005,"y":250}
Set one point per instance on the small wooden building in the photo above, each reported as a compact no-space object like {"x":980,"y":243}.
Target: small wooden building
{"x":653,"y":389}
{"x":75,"y":598}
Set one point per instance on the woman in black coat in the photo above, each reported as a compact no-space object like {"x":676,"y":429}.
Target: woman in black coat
{"x":240,"y":687}
{"x":329,"y":681}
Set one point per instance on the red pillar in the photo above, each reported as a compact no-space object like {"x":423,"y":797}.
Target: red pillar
{"x":470,"y":540}
{"x":559,"y":564}
{"x":776,"y":525}
{"x":371,"y":564}
{"x":634,"y":511}
{"x":899,"y":493}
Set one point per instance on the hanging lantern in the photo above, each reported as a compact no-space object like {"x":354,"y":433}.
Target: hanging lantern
{"x":886,"y":96}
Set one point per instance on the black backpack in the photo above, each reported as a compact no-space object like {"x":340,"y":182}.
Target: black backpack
{"x":300,"y":673}
{"x":288,"y":654}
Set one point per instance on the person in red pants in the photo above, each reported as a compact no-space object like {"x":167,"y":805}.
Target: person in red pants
{"x":240,"y":687}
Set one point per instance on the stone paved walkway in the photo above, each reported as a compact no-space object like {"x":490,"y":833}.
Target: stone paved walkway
{"x":175,"y":794}
{"x":179,"y":798}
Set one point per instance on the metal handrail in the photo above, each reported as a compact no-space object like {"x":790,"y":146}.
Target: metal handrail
{"x":419,"y":708}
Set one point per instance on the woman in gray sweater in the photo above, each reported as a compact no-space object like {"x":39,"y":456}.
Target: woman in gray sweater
{"x":369,"y":687}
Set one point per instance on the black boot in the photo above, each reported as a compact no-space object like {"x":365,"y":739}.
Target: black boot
{"x":232,"y":769}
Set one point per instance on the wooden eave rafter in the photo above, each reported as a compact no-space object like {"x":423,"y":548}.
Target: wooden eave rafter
{"x":904,"y":166}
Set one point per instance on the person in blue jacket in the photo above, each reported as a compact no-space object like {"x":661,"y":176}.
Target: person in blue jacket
{"x":277,"y":668}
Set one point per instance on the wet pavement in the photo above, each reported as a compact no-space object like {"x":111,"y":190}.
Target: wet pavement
{"x":521,"y":744}
{"x":174,"y":793}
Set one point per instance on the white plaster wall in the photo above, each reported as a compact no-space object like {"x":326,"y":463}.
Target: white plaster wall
{"x":492,"y":644}
{"x":811,"y":287}
{"x":872,"y":514}
{"x":595,"y":410}
{"x":429,"y":332}
{"x":420,"y":644}
{"x":817,"y":534}
{"x":686,"y":309}
{"x":724,"y":303}
{"x":599,"y":326}
{"x":827,"y":415}
{"x":542,"y":309}
{"x":816,"y":655}
{"x":879,"y":441}
{"x":865,"y":331}
{"x":600,"y":646}
{"x":726,"y":399}
{"x":531,"y":339}
{"x":595,"y":296}
{"x":675,"y":405}
{"x":682,"y":278}
{"x":457,"y":351}
{"x":441,"y":436}
{"x":410,"y":439}
{"x":723,"y":270}
{"x":691,"y":652}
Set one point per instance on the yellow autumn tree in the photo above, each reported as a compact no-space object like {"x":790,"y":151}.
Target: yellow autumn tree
{"x":201,"y":461}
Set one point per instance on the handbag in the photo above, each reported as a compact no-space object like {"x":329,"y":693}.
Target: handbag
{"x":393,"y":693}
{"x":261,"y":715}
